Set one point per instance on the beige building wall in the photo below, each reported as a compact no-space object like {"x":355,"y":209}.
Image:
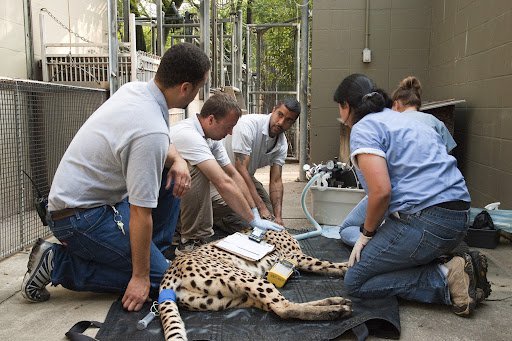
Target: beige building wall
{"x":459,"y":49}
{"x":399,"y":35}
{"x":87,"y":18}
{"x":471,"y":59}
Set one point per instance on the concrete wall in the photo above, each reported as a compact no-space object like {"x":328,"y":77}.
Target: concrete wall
{"x":459,"y":49}
{"x":399,"y":40}
{"x":12,"y":39}
{"x":471,"y":59}
{"x":87,"y":18}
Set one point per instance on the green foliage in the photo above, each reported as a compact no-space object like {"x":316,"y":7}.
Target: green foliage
{"x":278,"y":58}
{"x":279,"y":68}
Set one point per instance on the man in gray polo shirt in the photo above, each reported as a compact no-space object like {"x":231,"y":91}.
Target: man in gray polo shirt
{"x":112,"y":205}
{"x":258,"y":141}
{"x":197,"y":139}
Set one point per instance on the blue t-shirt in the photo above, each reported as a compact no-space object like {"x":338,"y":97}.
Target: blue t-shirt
{"x":435,"y":124}
{"x":422,"y":173}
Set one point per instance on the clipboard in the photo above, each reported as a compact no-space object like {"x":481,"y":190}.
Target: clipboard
{"x":239,"y":244}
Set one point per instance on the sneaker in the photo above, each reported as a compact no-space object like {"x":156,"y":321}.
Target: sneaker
{"x":461,"y":283}
{"x":188,"y":246}
{"x":38,"y":276}
{"x":483,"y":287}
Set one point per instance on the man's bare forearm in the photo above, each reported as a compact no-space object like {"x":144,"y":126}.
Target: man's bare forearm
{"x":241,"y":164}
{"x":172,"y":156}
{"x":140,"y":239}
{"x":276,"y":190}
{"x":276,"y":198}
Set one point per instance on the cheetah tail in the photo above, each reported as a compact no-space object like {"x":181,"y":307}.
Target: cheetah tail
{"x":174,"y":328}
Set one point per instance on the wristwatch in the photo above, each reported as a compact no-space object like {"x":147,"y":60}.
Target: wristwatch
{"x":365,"y":232}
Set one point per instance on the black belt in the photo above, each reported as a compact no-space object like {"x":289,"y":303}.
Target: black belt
{"x":457,"y":205}
{"x":66,"y":213}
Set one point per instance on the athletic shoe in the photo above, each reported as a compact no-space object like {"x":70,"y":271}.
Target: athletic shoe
{"x":38,"y":276}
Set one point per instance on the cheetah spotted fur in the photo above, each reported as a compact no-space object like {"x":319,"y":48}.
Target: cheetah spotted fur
{"x":210,"y":279}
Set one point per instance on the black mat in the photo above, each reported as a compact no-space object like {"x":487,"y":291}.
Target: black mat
{"x":380,"y":316}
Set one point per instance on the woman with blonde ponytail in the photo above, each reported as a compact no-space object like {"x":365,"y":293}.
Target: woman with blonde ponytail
{"x":407,"y":98}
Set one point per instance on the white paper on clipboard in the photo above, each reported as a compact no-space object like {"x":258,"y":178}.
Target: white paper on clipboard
{"x":240,"y":245}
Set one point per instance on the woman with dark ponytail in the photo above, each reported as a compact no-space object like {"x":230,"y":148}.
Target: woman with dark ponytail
{"x":418,"y":205}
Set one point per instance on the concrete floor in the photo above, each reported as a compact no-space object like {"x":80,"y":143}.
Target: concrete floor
{"x":50,"y":320}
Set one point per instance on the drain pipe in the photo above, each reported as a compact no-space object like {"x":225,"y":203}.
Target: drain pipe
{"x":318,"y":228}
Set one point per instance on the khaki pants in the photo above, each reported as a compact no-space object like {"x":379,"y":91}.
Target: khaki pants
{"x":202,"y":207}
{"x":196,"y":213}
{"x":226,"y":219}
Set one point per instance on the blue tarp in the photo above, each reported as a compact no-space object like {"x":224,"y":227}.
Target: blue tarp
{"x":502,"y":219}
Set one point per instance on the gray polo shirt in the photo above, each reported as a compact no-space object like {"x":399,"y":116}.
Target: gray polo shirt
{"x":250,"y":137}
{"x":118,"y":152}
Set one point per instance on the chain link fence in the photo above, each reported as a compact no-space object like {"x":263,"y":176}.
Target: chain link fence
{"x":37,"y":122}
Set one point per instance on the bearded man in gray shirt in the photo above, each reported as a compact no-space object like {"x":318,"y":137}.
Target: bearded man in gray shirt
{"x":112,"y":204}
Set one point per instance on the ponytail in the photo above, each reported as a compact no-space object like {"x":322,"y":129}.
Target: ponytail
{"x":361,"y":94}
{"x":408,"y":92}
{"x":370,"y":103}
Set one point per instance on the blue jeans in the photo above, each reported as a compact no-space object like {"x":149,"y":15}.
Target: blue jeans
{"x":96,"y":256}
{"x":399,"y":259}
{"x":349,"y":229}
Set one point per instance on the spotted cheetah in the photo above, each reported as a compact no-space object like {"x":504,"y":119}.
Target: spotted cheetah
{"x":209,"y":278}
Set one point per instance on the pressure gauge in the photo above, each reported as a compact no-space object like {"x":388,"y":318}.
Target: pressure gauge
{"x":330,"y":165}
{"x":306,"y":167}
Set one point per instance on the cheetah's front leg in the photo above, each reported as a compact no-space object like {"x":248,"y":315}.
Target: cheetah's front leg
{"x":315,"y":265}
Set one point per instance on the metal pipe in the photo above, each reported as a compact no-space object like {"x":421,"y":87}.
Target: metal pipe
{"x":248,"y":70}
{"x":222,"y":81}
{"x":367,"y":25}
{"x":112,"y":46}
{"x":204,"y":19}
{"x":160,"y":45}
{"x":303,"y":121}
{"x":232,"y":59}
{"x":257,"y":85}
{"x":42,"y":34}
{"x":126,"y":20}
{"x":29,"y":38}
{"x":239,"y":42}
{"x":133,"y":47}
{"x":214,"y":42}
{"x":298,"y":64}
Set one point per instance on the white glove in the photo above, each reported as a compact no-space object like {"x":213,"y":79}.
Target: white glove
{"x":256,"y":213}
{"x":355,"y":255}
{"x":265,"y":225}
